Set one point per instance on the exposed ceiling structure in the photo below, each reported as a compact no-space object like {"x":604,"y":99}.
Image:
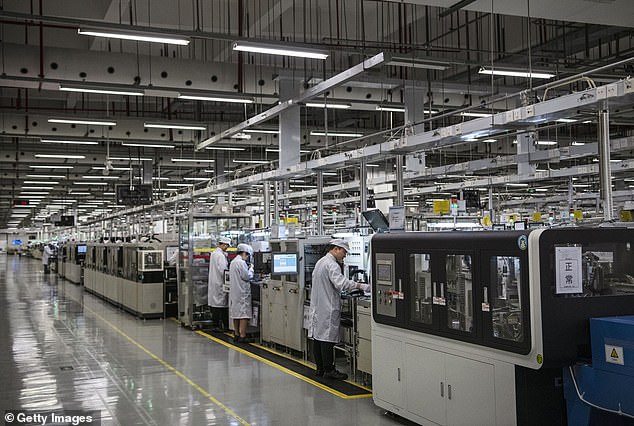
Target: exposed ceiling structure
{"x":51,"y":73}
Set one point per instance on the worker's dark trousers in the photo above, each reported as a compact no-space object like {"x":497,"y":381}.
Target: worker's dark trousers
{"x":323,"y":355}
{"x":220,"y":317}
{"x":47,"y":269}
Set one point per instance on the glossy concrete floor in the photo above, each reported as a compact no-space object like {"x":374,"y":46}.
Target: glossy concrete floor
{"x":62,"y":348}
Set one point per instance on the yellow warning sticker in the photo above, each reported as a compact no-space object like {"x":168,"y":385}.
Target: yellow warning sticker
{"x":614,"y":354}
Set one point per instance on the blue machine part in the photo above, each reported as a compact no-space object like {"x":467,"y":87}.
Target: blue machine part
{"x":603,"y":393}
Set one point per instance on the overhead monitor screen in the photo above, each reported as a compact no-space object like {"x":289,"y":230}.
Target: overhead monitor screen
{"x":377,"y":220}
{"x":284,"y":263}
{"x":81,"y":249}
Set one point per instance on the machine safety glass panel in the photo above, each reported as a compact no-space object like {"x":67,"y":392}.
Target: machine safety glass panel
{"x":420,"y":288}
{"x":506,"y":303}
{"x":459,"y":274}
{"x":593,"y":269}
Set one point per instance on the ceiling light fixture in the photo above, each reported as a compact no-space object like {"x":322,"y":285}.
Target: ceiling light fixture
{"x":147,"y":145}
{"x":224,"y":148}
{"x":546,"y":143}
{"x":284,"y":49}
{"x":91,"y":183}
{"x":328,"y":105}
{"x":135,"y":36}
{"x":192,"y":160}
{"x":69,"y":142}
{"x":217,"y":98}
{"x":101,"y":90}
{"x":39,"y":182}
{"x":114,"y":168}
{"x":51,"y":167}
{"x":89,"y":121}
{"x":475,"y":114}
{"x":566,"y":120}
{"x":200,"y":179}
{"x":511,"y":73}
{"x":266,"y":131}
{"x":47,"y":176}
{"x":64,"y":156}
{"x":130,"y":159}
{"x":99,"y":177}
{"x":251,"y":161}
{"x":179,"y":126}
{"x":338,"y":134}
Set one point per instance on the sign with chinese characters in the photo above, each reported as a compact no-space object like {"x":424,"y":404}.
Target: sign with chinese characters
{"x":568,"y":277}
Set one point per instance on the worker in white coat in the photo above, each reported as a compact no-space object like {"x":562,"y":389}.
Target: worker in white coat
{"x":47,"y":253}
{"x":240,"y":275}
{"x":325,"y":307}
{"x":216,"y":296}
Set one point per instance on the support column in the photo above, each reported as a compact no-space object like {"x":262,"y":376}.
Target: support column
{"x":147,"y":172}
{"x":276,"y":203}
{"x":400,"y":199}
{"x":267,"y":203}
{"x":414,"y":99}
{"x":525,"y":146}
{"x":605,"y":171}
{"x":363,"y":184}
{"x":219,"y":172}
{"x":320,"y":203}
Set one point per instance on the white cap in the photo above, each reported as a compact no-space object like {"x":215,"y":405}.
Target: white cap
{"x":245,"y":248}
{"x":340,"y":242}
{"x":224,"y":240}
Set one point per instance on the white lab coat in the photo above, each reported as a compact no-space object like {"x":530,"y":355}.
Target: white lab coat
{"x":217,"y":298}
{"x":325,"y":299}
{"x":46,"y":253}
{"x":239,"y":289}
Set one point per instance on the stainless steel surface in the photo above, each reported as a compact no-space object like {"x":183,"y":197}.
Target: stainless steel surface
{"x":138,"y":372}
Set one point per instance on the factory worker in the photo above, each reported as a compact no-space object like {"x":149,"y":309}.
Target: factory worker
{"x":216,"y":297}
{"x":325,"y":307}
{"x":240,"y":274}
{"x":47,"y":253}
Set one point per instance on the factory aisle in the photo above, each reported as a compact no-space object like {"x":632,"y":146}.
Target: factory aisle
{"x":66,"y":349}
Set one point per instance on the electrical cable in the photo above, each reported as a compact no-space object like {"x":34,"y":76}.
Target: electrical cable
{"x":581,"y":398}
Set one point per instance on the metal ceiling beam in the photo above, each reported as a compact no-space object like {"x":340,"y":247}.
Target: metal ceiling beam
{"x":311,"y":93}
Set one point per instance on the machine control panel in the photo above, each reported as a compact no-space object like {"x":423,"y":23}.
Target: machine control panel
{"x":384,"y":275}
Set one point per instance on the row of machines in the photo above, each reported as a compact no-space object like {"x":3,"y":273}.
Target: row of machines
{"x":70,"y":261}
{"x":504,"y":328}
{"x":128,"y":275}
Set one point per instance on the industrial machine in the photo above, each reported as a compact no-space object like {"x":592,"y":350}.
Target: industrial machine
{"x":284,"y":296}
{"x":198,"y":234}
{"x":478,"y":327}
{"x":73,"y":255}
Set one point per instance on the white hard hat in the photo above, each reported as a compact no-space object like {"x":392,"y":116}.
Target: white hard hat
{"x":340,"y":242}
{"x":224,"y":240}
{"x":245,"y":248}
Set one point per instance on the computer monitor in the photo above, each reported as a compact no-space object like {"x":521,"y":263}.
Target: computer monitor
{"x":81,"y":249}
{"x":377,"y":220}
{"x":284,"y":263}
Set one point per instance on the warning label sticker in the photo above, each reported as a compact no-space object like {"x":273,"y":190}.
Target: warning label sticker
{"x":614,"y":354}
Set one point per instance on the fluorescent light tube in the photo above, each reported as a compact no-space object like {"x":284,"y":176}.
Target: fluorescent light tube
{"x":223,"y":148}
{"x":88,"y":121}
{"x":199,"y":179}
{"x":339,"y":134}
{"x":251,"y":161}
{"x":546,"y":143}
{"x":35,"y":188}
{"x":192,"y":160}
{"x":180,"y":126}
{"x":99,"y":90}
{"x":475,"y":114}
{"x":64,"y":156}
{"x":71,"y":142}
{"x":72,"y":191}
{"x":510,"y":73}
{"x":39,"y":182}
{"x":47,"y":176}
{"x":267,"y":131}
{"x":114,"y":168}
{"x":327,"y":105}
{"x":99,"y":177}
{"x":389,"y":109}
{"x":517,"y":184}
{"x":135,"y":36}
{"x":130,"y":158}
{"x":566,"y":120}
{"x":217,"y":98}
{"x":34,"y":193}
{"x":51,"y":167}
{"x":91,"y":183}
{"x":489,"y":140}
{"x":147,"y":145}
{"x":281,"y":49}
{"x":416,"y":63}
{"x":180,"y":185}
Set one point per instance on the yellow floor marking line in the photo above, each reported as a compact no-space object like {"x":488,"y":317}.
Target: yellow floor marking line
{"x":207,"y":395}
{"x":283,"y":369}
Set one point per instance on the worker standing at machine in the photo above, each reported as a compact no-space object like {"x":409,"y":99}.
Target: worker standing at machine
{"x":325,"y":307}
{"x":216,"y":296}
{"x":47,"y":253}
{"x":240,"y":275}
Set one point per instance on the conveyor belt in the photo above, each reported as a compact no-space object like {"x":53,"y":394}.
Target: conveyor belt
{"x":344,"y":389}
